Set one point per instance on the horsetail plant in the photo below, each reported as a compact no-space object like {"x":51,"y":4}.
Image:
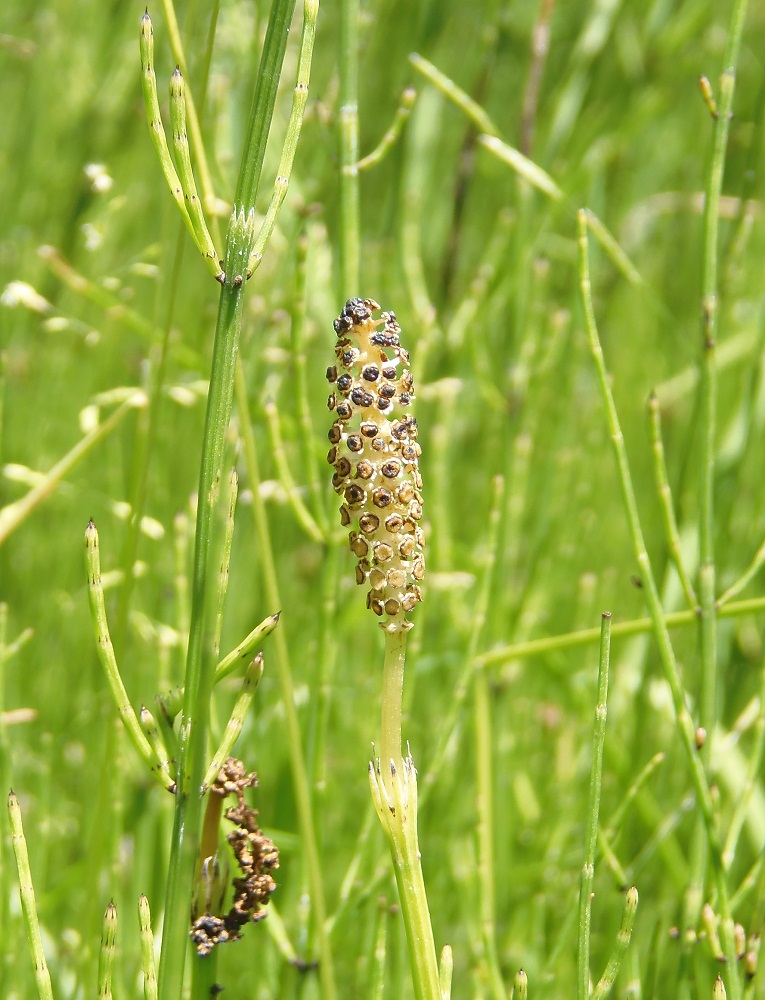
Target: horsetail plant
{"x":375,"y":457}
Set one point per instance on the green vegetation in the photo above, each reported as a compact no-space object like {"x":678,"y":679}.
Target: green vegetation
{"x":569,"y":229}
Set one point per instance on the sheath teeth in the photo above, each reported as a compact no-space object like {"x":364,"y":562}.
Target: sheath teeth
{"x":374,"y":454}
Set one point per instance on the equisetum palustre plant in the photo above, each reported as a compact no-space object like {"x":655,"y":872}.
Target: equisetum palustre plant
{"x":375,"y":455}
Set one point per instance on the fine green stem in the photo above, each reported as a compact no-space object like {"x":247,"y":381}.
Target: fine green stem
{"x":106,"y":954}
{"x":200,"y":660}
{"x":671,"y":534}
{"x":588,"y":636}
{"x":14,"y":514}
{"x":148,"y":966}
{"x":28,"y":904}
{"x":686,"y":728}
{"x":596,"y":780}
{"x":396,"y":633}
{"x":606,"y":981}
{"x":709,"y":311}
{"x":378,"y":154}
{"x":394,"y":793}
{"x":485,"y":774}
{"x":349,"y":149}
{"x":287,"y":690}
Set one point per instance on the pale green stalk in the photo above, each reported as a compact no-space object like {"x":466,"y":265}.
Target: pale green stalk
{"x":28,"y":905}
{"x":236,"y":721}
{"x":180,"y":575}
{"x":523,"y":166}
{"x":686,"y":728}
{"x":445,"y":972}
{"x":106,"y":954}
{"x":148,"y":965}
{"x":183,"y":188}
{"x":388,"y":141}
{"x":593,"y":811}
{"x":195,"y":132}
{"x":348,"y":119}
{"x":707,"y":573}
{"x":109,"y":302}
{"x":287,"y":690}
{"x":242,"y":653}
{"x":298,"y":310}
{"x":708,"y":698}
{"x":743,"y":581}
{"x":201,"y":233}
{"x":154,"y":118}
{"x":14,"y":514}
{"x":109,"y":662}
{"x":606,"y":981}
{"x":225,"y":558}
{"x":200,"y":663}
{"x":302,"y":515}
{"x":671,"y":534}
{"x":378,"y":961}
{"x":520,"y":985}
{"x":485,"y":753}
{"x":587,"y":636}
{"x":394,"y":793}
{"x":612,"y":829}
{"x":751,"y":782}
{"x":299,"y":99}
{"x":456,"y":95}
{"x":153,"y":734}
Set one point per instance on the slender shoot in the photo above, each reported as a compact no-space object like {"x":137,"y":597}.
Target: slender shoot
{"x":28,"y":904}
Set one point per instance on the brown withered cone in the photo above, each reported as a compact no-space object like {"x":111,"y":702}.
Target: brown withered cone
{"x":374,"y":453}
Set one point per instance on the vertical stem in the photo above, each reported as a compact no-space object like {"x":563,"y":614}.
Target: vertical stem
{"x":709,"y":310}
{"x":297,"y":762}
{"x":200,"y":661}
{"x":349,"y":148}
{"x":396,"y":632}
{"x":596,"y":775}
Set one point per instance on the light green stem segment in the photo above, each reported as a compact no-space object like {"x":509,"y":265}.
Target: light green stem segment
{"x":596,"y":776}
{"x":393,"y":781}
{"x":686,"y":728}
{"x":106,"y":955}
{"x":183,"y":188}
{"x":396,"y":631}
{"x":348,"y":121}
{"x":378,"y":154}
{"x":394,"y":792}
{"x":16,"y":513}
{"x":201,"y":233}
{"x":148,"y":966}
{"x":606,"y":981}
{"x":299,"y":99}
{"x":158,"y":769}
{"x":28,"y":905}
{"x":236,"y":721}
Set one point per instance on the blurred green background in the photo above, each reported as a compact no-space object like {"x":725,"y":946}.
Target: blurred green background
{"x":482,"y":273}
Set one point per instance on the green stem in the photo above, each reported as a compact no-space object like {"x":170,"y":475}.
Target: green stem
{"x":396,"y":632}
{"x":28,"y":905}
{"x":596,"y":778}
{"x":349,"y":148}
{"x":200,"y":660}
{"x":638,"y":626}
{"x":686,"y":728}
{"x":287,"y":691}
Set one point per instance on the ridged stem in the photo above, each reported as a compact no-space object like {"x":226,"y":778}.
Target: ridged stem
{"x":200,"y":660}
{"x":596,"y":778}
{"x":349,"y":148}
